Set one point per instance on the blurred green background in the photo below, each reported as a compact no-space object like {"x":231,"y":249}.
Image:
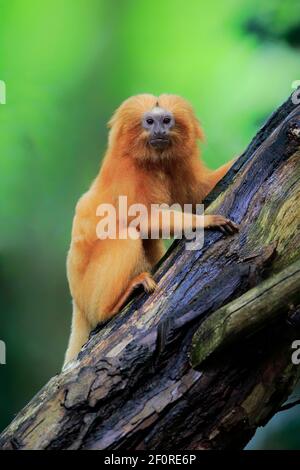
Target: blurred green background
{"x":67,"y":65}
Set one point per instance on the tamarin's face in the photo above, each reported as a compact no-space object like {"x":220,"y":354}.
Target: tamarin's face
{"x":159,"y":123}
{"x":153,"y":128}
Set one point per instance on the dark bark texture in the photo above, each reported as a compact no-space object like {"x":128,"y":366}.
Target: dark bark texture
{"x":138,"y":383}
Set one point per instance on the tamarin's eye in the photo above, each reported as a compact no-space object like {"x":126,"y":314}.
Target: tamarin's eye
{"x":166,"y":120}
{"x":150,"y":121}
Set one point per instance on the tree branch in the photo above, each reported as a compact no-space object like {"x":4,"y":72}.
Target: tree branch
{"x":290,"y":405}
{"x":246,"y":315}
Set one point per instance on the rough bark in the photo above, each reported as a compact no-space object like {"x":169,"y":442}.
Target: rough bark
{"x":133,"y":386}
{"x":254,"y":310}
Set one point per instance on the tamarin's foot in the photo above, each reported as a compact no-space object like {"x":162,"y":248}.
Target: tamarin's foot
{"x":144,"y":280}
{"x":219,"y":222}
{"x":148,"y":283}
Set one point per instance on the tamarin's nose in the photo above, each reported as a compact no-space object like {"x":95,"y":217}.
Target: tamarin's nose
{"x":160,"y":132}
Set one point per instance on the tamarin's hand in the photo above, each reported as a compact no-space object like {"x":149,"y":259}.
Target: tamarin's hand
{"x":152,"y":158}
{"x":226,"y":226}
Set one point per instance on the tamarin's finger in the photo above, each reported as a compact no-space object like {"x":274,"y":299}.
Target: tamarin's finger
{"x":233,"y":225}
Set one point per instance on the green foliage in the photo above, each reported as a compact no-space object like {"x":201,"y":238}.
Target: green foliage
{"x":67,"y":65}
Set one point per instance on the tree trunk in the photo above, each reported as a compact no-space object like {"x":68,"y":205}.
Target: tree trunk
{"x":138,"y":384}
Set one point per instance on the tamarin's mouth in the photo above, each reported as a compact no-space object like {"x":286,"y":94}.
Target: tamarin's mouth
{"x":159,"y":142}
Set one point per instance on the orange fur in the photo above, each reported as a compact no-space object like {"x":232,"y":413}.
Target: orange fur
{"x":102,"y":273}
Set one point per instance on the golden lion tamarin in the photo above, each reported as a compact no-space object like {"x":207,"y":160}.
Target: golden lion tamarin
{"x":152,"y":158}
